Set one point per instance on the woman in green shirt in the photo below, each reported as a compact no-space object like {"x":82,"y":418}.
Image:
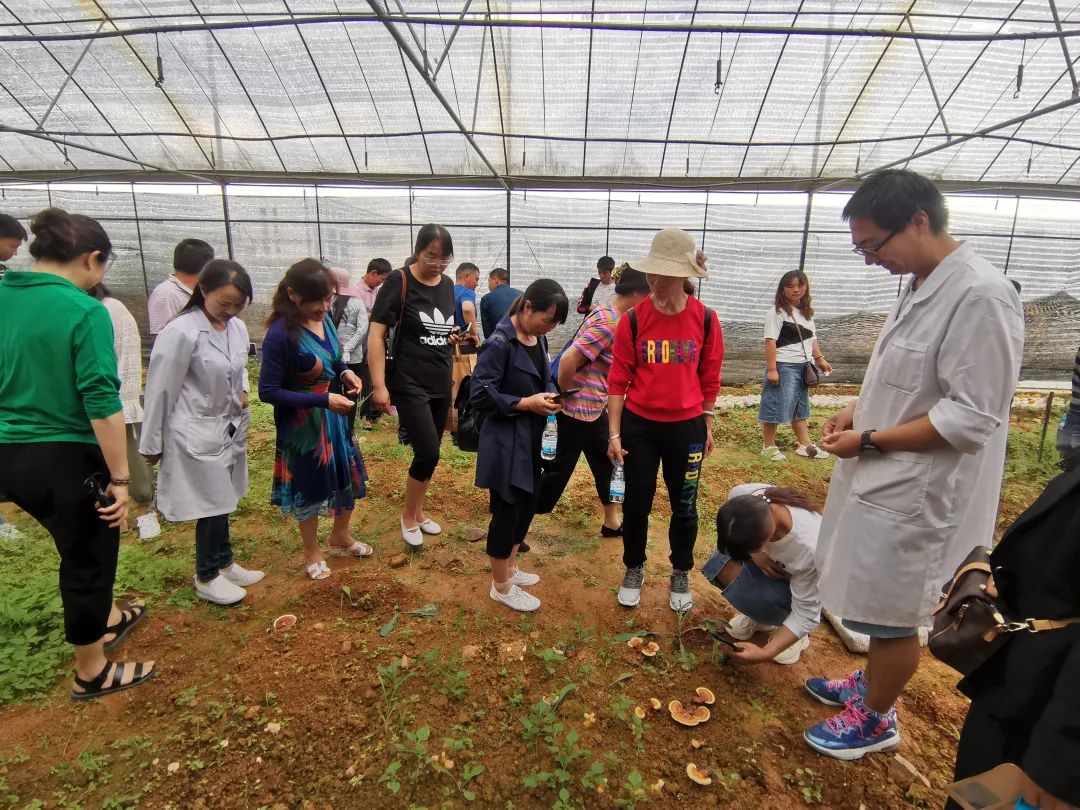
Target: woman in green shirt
{"x":62,"y":433}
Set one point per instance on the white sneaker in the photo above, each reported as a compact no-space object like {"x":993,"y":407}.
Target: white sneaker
{"x":413,"y":537}
{"x":523,"y":578}
{"x":517,"y":599}
{"x":792,"y":654}
{"x":148,"y":526}
{"x":679,"y":596}
{"x":742,"y":627}
{"x":804,"y":450}
{"x":772,"y":453}
{"x":630,"y":590}
{"x":219,"y":591}
{"x":238,"y":575}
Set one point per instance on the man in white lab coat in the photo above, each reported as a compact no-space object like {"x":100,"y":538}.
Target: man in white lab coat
{"x":922,"y":450}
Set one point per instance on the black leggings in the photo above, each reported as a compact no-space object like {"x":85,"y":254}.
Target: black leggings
{"x":424,"y":420}
{"x":510,"y":521}
{"x":577,"y":437}
{"x":680,"y":448}
{"x":45,"y":480}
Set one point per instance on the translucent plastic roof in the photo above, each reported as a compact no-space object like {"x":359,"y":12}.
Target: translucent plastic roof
{"x":602,"y":91}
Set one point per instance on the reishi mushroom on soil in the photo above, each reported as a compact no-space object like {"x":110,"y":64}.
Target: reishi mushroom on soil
{"x":688,"y":715}
{"x":703,"y":697}
{"x":697,"y":776}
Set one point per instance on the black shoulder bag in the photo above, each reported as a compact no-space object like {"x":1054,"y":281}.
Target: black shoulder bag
{"x":393,"y":334}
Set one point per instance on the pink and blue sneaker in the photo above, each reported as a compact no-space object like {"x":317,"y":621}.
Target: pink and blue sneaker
{"x":854,"y":732}
{"x":837,"y":692}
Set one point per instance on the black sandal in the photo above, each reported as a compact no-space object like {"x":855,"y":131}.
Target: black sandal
{"x":96,"y":687}
{"x":129,"y":617}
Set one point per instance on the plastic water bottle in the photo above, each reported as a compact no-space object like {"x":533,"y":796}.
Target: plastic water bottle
{"x":550,"y":440}
{"x":1022,"y":805}
{"x":617,"y":493}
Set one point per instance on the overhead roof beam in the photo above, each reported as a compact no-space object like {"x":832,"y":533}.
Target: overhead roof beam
{"x":415,"y":36}
{"x":67,"y":79}
{"x":1020,"y":119}
{"x":450,"y":40}
{"x":675,"y":93}
{"x":1064,"y":49}
{"x":930,"y":80}
{"x":105,"y":153}
{"x":403,"y":46}
{"x":534,"y":22}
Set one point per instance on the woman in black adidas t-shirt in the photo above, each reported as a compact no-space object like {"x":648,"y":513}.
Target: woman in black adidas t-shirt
{"x":419,"y":383}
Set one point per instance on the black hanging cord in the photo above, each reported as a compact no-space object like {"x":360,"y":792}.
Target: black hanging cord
{"x":160,"y":78}
{"x":1020,"y":70}
{"x":719,"y":67}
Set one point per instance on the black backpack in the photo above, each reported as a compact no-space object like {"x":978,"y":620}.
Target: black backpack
{"x":470,"y":420}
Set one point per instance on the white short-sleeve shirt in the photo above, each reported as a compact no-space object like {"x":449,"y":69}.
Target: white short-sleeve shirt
{"x":781,"y":327}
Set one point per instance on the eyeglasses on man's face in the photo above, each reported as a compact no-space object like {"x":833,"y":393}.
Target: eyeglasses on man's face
{"x":859,"y":250}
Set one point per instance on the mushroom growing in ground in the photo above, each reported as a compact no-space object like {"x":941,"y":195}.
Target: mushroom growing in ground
{"x":650,"y":649}
{"x":703,"y":697}
{"x":688,"y":715}
{"x":284,"y":622}
{"x":655,"y":704}
{"x":636,"y":643}
{"x":697,"y":776}
{"x":639,"y":713}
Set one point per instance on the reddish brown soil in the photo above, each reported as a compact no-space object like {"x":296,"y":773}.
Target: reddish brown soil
{"x":223,"y":679}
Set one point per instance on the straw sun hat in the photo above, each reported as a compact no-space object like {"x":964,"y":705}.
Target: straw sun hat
{"x":673,"y":253}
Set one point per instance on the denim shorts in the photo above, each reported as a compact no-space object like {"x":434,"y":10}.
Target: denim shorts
{"x":878,"y":630}
{"x":763,"y":599}
{"x":788,"y":401}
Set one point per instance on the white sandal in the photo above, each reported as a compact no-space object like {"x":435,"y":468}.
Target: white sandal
{"x":357,"y":549}
{"x":318,"y":570}
{"x":429,"y":526}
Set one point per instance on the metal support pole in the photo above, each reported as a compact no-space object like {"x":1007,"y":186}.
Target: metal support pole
{"x":407,"y":51}
{"x":1045,"y":423}
{"x":1065,"y":49}
{"x":704,"y":233}
{"x":607,"y":226}
{"x":318,"y":225}
{"x":450,"y":41}
{"x":67,"y":79}
{"x":228,"y":221}
{"x":415,"y":36}
{"x":412,"y":235}
{"x":1012,"y":234}
{"x":806,"y":230}
{"x":138,"y":234}
{"x":930,"y":81}
{"x":508,"y":230}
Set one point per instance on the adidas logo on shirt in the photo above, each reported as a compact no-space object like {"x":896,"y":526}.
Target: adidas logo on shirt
{"x":438,"y":328}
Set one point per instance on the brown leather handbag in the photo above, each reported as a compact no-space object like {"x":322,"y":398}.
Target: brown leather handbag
{"x":969,"y":623}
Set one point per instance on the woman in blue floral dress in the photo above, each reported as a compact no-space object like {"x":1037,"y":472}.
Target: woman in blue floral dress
{"x":317,"y":468}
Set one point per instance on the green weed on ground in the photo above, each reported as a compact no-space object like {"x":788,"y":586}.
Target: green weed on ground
{"x":33,"y":651}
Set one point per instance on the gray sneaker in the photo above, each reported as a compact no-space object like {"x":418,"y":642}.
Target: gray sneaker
{"x":630,"y":590}
{"x":680,"y":598}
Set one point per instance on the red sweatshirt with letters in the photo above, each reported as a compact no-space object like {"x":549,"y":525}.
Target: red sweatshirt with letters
{"x":672,"y":370}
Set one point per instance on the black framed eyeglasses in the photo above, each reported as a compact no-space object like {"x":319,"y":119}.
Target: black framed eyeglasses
{"x":858,"y":250}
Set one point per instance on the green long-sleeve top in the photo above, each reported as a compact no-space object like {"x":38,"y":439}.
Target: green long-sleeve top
{"x":58,"y":367}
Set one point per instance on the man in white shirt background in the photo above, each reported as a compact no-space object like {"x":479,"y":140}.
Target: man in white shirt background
{"x":172,"y":295}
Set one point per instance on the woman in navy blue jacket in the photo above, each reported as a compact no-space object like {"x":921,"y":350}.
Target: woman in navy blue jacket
{"x":512,"y":386}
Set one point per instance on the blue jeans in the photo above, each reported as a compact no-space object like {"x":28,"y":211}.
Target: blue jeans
{"x":763,"y":599}
{"x":789,"y":400}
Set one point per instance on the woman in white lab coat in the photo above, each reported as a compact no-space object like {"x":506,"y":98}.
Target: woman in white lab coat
{"x":196,"y":421}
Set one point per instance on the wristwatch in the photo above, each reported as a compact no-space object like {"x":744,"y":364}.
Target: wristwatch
{"x":868,"y":445}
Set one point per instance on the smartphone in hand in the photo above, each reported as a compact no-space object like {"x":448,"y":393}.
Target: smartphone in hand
{"x":562,"y":396}
{"x":98,"y":490}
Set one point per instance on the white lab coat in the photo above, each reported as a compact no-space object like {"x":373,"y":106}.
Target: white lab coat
{"x":896,"y":526}
{"x":194,"y":417}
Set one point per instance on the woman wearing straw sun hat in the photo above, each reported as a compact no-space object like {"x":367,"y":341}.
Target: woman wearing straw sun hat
{"x":661,"y":391}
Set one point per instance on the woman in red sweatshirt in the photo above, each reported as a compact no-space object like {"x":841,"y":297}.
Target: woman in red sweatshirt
{"x":661,"y":391}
